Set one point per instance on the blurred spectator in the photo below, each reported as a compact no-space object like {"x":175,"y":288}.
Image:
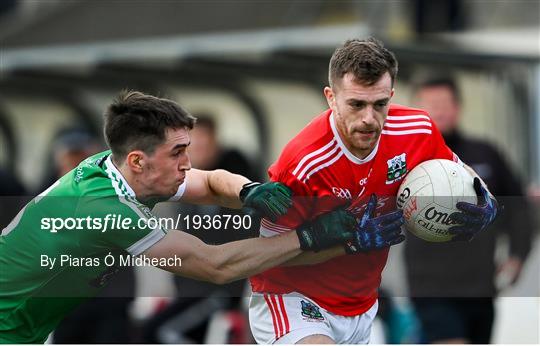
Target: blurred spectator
{"x":206,"y":152}
{"x":452,"y":285}
{"x":188,"y":317}
{"x":103,"y":319}
{"x":70,"y":147}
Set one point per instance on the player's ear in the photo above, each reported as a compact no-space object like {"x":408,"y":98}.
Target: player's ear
{"x":135,"y":160}
{"x":330,"y":97}
{"x":392,"y":93}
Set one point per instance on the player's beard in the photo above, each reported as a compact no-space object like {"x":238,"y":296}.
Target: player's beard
{"x":360,"y":140}
{"x":365,"y":138}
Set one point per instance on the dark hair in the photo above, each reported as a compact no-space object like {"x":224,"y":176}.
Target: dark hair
{"x":136,"y":121}
{"x":438,"y":81}
{"x":367,"y":59}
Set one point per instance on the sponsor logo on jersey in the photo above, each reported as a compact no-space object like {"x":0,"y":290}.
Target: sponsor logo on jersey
{"x":397,"y":168}
{"x":311,"y":311}
{"x":79,"y":173}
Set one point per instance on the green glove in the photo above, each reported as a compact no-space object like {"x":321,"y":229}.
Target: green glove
{"x":327,"y":230}
{"x":271,"y":200}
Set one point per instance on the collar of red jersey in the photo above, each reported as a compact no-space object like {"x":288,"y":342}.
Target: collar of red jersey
{"x":346,"y":151}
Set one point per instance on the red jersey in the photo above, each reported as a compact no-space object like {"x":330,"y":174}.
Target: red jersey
{"x":323,"y":174}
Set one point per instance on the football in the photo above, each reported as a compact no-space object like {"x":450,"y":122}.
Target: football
{"x":428,"y":195}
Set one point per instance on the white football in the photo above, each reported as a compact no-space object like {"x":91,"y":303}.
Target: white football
{"x":428,"y":195}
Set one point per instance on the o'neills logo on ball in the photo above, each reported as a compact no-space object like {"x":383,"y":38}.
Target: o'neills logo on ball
{"x":433,"y":214}
{"x":432,"y":227}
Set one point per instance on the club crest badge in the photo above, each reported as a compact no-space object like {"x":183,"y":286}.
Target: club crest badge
{"x":311,"y":311}
{"x":397,"y":168}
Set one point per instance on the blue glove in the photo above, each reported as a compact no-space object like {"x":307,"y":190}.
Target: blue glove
{"x":374,"y":233}
{"x":474,"y":217}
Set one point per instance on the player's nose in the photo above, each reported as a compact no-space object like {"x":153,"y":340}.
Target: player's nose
{"x":184,"y":164}
{"x":369,"y":117}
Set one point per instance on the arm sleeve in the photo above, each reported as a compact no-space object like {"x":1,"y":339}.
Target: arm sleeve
{"x":123,"y":223}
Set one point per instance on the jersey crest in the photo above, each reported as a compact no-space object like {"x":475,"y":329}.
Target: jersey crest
{"x":311,"y":311}
{"x":397,"y":168}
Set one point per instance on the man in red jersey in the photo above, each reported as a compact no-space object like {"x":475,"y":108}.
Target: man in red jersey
{"x":357,"y":151}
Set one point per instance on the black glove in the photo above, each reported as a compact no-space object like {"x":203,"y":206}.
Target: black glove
{"x":327,"y":230}
{"x":474,"y":217}
{"x":270,"y":200}
{"x":374,"y":233}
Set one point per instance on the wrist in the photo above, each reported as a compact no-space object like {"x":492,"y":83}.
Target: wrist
{"x":306,"y":238}
{"x":246,"y":188}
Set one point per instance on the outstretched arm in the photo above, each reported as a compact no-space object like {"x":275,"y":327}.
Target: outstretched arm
{"x":218,"y":187}
{"x":235,"y":191}
{"x":239,"y":259}
{"x":224,"y":263}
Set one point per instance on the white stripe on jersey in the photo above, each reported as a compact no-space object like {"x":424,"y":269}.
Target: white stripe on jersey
{"x":394,"y":125}
{"x":317,"y":160}
{"x":274,"y":227}
{"x":318,"y":168}
{"x":409,"y":124}
{"x":408,"y":117}
{"x":267,"y":233}
{"x":405,"y":132}
{"x":312,"y":154}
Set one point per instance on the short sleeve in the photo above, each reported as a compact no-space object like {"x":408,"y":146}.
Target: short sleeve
{"x":122,"y":222}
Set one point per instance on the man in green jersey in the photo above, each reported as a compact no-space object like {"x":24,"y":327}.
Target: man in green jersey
{"x":63,"y":246}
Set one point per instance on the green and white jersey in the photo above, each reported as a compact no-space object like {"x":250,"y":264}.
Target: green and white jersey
{"x":35,"y":292}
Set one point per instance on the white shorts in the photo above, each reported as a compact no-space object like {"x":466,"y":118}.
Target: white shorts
{"x":288,"y":318}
